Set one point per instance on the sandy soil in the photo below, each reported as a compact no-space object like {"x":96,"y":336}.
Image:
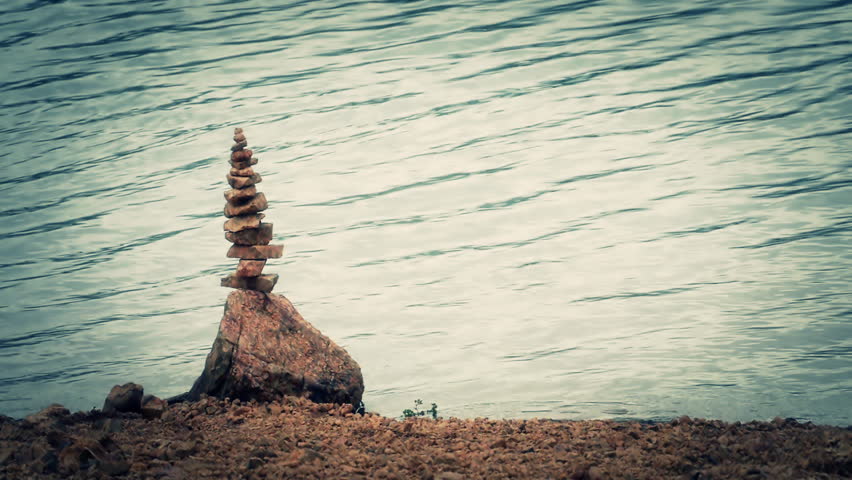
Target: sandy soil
{"x":299,"y":439}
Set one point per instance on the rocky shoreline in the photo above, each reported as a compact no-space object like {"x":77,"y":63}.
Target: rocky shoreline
{"x":296,"y":438}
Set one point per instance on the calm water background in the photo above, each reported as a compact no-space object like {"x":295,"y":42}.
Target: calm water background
{"x":510,"y":208}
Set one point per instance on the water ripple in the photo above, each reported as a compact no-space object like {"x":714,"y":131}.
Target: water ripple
{"x":665,"y":185}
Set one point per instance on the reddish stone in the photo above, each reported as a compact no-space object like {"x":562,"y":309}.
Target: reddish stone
{"x":241,"y":165}
{"x":256,"y":252}
{"x":266,"y":350}
{"x":243,"y":182}
{"x":238,"y":195}
{"x":251,"y":236}
{"x":124,"y":398}
{"x":250,"y":268}
{"x":242,"y":172}
{"x":153,"y":407}
{"x":257,"y":204}
{"x":241,"y":156}
{"x":238,"y":224}
{"x":262,"y":283}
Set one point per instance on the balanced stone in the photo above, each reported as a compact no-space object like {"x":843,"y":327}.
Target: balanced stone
{"x":257,"y":204}
{"x":251,"y":236}
{"x":239,"y":146}
{"x":238,"y":195}
{"x":262,"y":283}
{"x":250,"y":268}
{"x":255,"y":252}
{"x":238,"y":224}
{"x":241,"y":156}
{"x":243,"y":182}
{"x":240,"y":137}
{"x":241,"y":165}
{"x":242,"y":172}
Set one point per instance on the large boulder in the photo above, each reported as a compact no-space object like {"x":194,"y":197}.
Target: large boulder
{"x":265,"y":350}
{"x":124,"y":398}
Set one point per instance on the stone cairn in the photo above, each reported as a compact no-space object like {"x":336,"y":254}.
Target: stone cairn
{"x":244,"y":229}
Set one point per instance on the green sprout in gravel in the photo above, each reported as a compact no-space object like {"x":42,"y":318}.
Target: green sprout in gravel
{"x":419,"y":412}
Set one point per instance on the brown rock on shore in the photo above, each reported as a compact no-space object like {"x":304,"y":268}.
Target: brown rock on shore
{"x":124,"y":398}
{"x":265,"y":350}
{"x":294,"y":438}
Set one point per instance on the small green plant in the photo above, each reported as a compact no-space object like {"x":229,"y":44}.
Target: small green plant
{"x":419,"y":412}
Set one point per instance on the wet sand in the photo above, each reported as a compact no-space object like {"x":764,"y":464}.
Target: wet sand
{"x":295,"y":438}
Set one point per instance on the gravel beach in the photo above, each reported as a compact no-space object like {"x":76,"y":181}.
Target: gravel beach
{"x":295,"y":438}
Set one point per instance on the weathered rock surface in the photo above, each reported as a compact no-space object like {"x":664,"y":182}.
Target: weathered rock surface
{"x":239,"y":145}
{"x":241,"y":156}
{"x":257,"y":204}
{"x":238,"y":195}
{"x":265,"y":350}
{"x":242,"y":172}
{"x":238,"y":224}
{"x":48,"y":414}
{"x":250,"y":268}
{"x":86,"y":454}
{"x":243,"y":182}
{"x":124,"y":398}
{"x":243,"y":164}
{"x":153,"y":407}
{"x":255,"y":252}
{"x":251,"y":236}
{"x":261,"y":283}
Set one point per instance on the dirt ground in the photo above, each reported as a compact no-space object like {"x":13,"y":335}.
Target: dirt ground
{"x":295,"y":438}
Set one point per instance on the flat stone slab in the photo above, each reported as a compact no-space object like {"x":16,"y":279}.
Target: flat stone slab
{"x":240,"y":195}
{"x":243,"y":182}
{"x":250,"y":268}
{"x":241,"y":156}
{"x":262,"y":283}
{"x":255,"y":252}
{"x":238,"y":224}
{"x":257,"y":204}
{"x":241,"y":165}
{"x":251,"y":236}
{"x":242,"y":172}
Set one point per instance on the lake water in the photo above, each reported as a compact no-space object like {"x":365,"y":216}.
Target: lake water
{"x":582,"y":209}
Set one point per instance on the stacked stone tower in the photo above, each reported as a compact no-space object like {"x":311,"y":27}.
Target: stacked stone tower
{"x":250,"y":237}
